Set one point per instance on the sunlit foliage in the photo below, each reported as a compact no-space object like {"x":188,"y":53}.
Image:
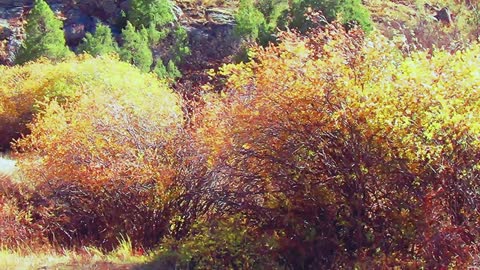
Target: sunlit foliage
{"x":351,"y":154}
{"x":98,"y":151}
{"x":330,"y":149}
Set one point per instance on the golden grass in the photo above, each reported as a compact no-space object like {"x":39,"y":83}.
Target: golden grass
{"x":123,"y":257}
{"x":15,"y":260}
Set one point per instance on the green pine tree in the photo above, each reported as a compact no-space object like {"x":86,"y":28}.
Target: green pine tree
{"x":180,"y":49}
{"x":99,"y":43}
{"x":352,"y":12}
{"x":135,"y":49}
{"x":249,"y":20}
{"x":160,"y":69}
{"x":274,"y":13}
{"x":150,"y":13}
{"x":169,"y":72}
{"x":173,"y":71}
{"x":44,"y":36}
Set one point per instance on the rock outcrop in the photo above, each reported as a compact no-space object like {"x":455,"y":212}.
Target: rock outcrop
{"x":210,"y":30}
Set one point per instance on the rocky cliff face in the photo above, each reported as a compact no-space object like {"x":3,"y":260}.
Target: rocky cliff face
{"x":10,"y":3}
{"x":210,"y":30}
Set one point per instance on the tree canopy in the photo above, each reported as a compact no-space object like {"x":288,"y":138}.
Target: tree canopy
{"x":44,"y":35}
{"x":146,"y":13}
{"x":99,"y":43}
{"x":135,"y":49}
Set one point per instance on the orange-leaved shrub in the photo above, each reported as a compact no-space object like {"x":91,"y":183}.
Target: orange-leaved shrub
{"x":100,"y":152}
{"x":350,"y":154}
{"x":17,"y":226}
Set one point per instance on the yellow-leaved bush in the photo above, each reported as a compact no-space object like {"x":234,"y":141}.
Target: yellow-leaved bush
{"x":17,"y":97}
{"x":351,"y":153}
{"x":100,"y":150}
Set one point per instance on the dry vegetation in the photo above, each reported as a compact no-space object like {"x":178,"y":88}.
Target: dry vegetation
{"x":88,"y":258}
{"x":332,"y":148}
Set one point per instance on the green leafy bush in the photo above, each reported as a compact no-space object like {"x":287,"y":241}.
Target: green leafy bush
{"x":225,"y":243}
{"x":260,"y":20}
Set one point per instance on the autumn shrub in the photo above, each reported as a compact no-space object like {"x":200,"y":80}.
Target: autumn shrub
{"x":20,"y":88}
{"x":17,"y":228}
{"x":448,"y":25}
{"x":352,"y":154}
{"x":24,"y":88}
{"x":101,"y":157}
{"x":428,"y":35}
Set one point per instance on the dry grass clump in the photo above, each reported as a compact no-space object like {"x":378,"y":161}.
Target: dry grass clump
{"x":123,"y":257}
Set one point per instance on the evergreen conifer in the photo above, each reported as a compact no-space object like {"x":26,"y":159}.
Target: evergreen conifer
{"x":44,"y":35}
{"x":150,"y":13}
{"x":135,"y":49}
{"x":99,"y":43}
